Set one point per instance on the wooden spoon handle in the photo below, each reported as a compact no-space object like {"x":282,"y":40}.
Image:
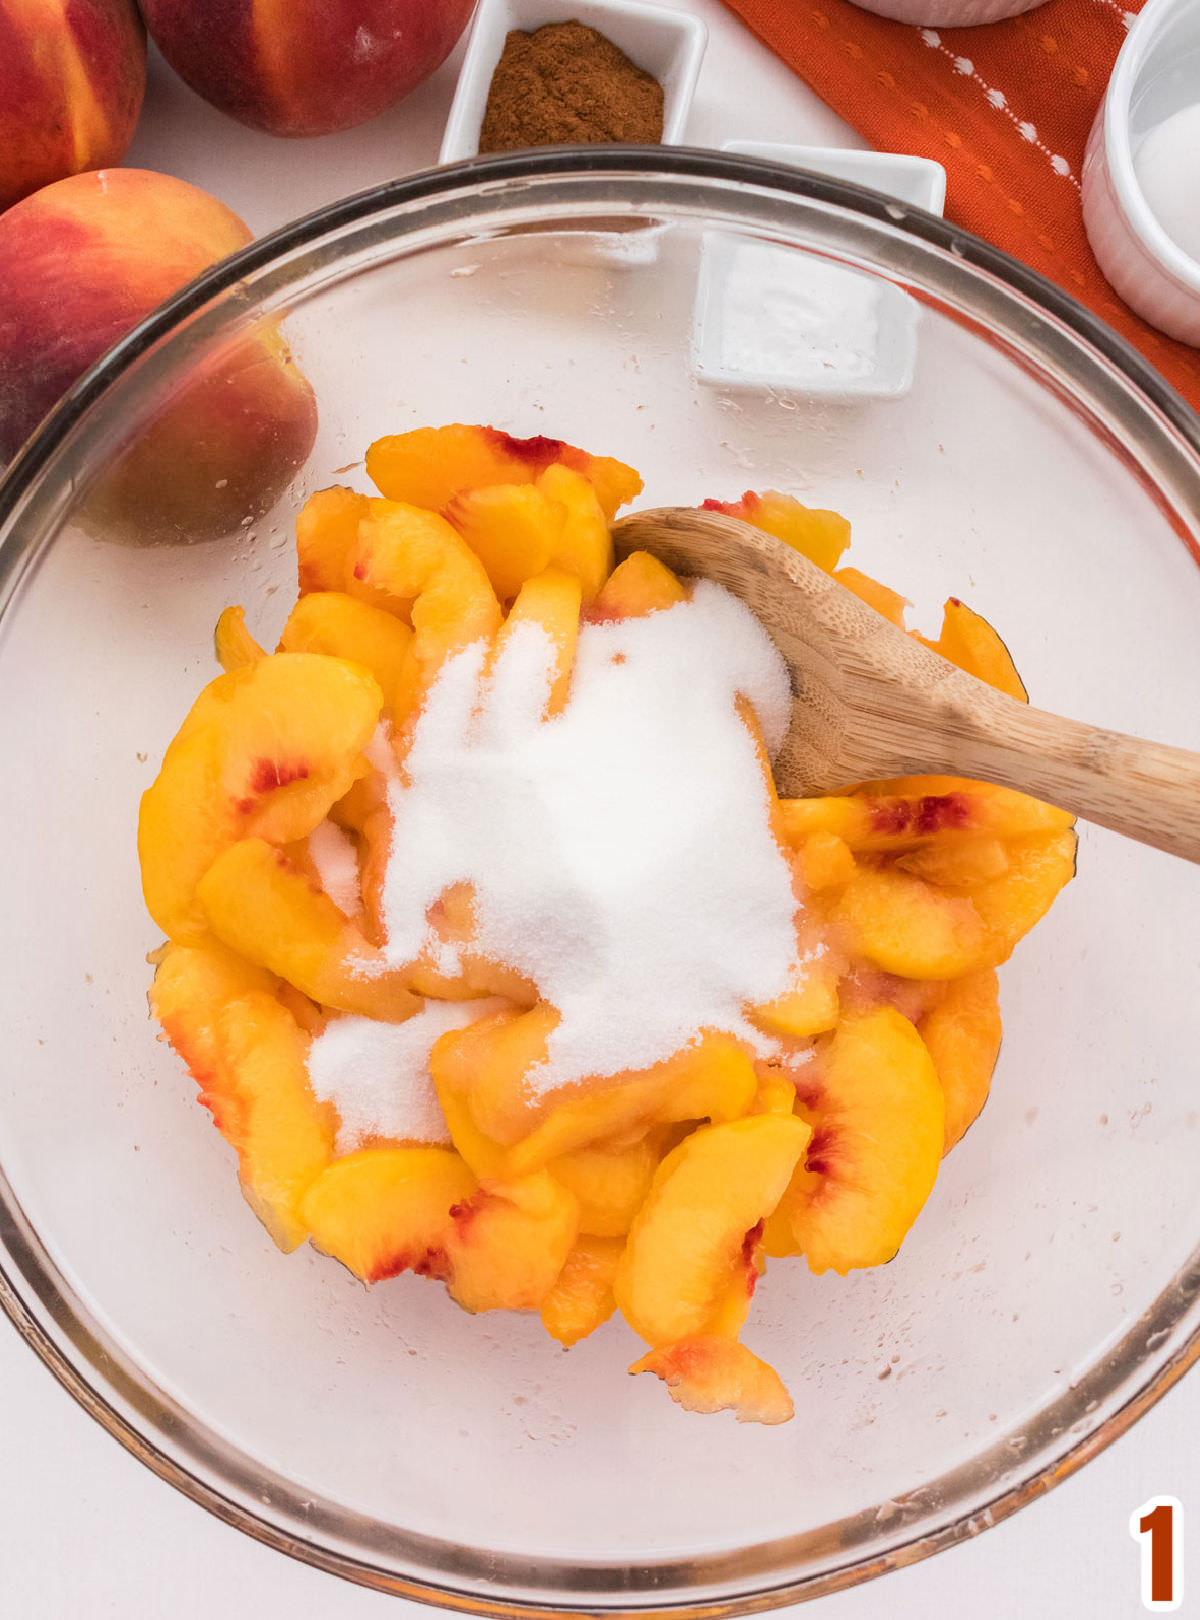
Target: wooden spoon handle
{"x":1144,"y":790}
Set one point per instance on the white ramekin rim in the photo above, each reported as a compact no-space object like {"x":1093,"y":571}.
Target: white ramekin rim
{"x":1118,"y":146}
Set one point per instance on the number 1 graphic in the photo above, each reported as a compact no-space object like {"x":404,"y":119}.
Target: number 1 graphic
{"x":1158,"y":1525}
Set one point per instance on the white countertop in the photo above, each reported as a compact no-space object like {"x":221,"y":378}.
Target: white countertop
{"x":87,"y":1532}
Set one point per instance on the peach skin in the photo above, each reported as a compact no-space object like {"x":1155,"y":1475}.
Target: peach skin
{"x":305,"y":67}
{"x":72,"y":75}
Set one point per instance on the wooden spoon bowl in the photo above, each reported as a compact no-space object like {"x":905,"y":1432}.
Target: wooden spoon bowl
{"x":869,"y":701}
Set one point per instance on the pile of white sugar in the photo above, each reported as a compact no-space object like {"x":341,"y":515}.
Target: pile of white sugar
{"x":621,"y":853}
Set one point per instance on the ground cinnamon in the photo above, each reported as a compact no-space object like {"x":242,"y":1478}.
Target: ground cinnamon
{"x":567,"y":83}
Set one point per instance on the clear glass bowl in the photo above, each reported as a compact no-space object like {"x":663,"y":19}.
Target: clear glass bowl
{"x":1047,"y":1294}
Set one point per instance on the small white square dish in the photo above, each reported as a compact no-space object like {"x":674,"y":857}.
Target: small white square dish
{"x":770,"y":317}
{"x":662,"y":41}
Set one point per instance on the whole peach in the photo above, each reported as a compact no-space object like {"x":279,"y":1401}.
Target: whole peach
{"x":81,"y":262}
{"x":72,"y":76}
{"x":305,"y":67}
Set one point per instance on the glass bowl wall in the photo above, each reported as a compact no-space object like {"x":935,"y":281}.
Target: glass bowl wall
{"x":1048,"y":1291}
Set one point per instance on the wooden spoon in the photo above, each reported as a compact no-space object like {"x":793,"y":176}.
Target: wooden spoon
{"x":869,"y":701}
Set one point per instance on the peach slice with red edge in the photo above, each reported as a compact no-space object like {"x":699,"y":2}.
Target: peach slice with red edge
{"x":639,"y":585}
{"x":582,"y":1299}
{"x":326,"y":534}
{"x":341,"y":626}
{"x":903,"y":814}
{"x":550,"y":600}
{"x":709,"y":1374}
{"x":508,"y":1242}
{"x":233,"y":644}
{"x":514,"y":530}
{"x":969,"y":641}
{"x":415,"y":557}
{"x":908,"y":927}
{"x":688,"y":1240}
{"x":259,"y":905}
{"x":610,"y":1183}
{"x":264,"y":752}
{"x":384,"y":1210}
{"x":282,"y":1135}
{"x":428,"y":466}
{"x":880,"y":597}
{"x":819,"y":535}
{"x":878,"y":1120}
{"x":192,"y":983}
{"x":962,"y":1035}
{"x":728,"y":1316}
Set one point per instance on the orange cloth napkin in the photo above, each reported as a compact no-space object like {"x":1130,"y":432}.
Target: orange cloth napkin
{"x":1006,"y":108}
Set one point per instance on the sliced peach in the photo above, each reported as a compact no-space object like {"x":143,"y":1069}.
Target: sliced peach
{"x":490,"y":1061}
{"x":413,"y":556}
{"x":1010,"y":905}
{"x":192,"y":983}
{"x":638,"y":586}
{"x":824,"y":861}
{"x":865,"y":989}
{"x":326,"y":534}
{"x":262,"y":907}
{"x":384,"y":1210}
{"x":809,"y":1009}
{"x":429,"y":466}
{"x":910,"y":811}
{"x":311,"y":1018}
{"x":728,"y":1316}
{"x":487,"y":1159}
{"x":551,"y":601}
{"x":507,"y":1243}
{"x":819,"y":535}
{"x":584,"y":546}
{"x":962,"y":1034}
{"x":365,"y":797}
{"x":514,"y":530}
{"x":610,"y":1183}
{"x":878,"y":1120}
{"x":906,"y":926}
{"x":333,"y":622}
{"x":956,"y":860}
{"x":581,"y":1299}
{"x":264,"y":752}
{"x":884,"y":600}
{"x":776,"y":1092}
{"x":708,"y":1374}
{"x":688,"y":1239}
{"x":233,"y":644}
{"x":969,"y":641}
{"x":283,"y":1136}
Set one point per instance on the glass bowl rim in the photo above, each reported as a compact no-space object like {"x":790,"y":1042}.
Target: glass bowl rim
{"x":769,"y":1590}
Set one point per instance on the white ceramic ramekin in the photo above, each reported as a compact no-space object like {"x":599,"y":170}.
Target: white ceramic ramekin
{"x":752,"y":298}
{"x":1153,"y":275}
{"x":662,"y":41}
{"x":947,"y":13}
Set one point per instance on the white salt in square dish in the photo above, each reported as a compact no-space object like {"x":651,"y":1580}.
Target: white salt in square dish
{"x":664,"y":42}
{"x":771,"y":317}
